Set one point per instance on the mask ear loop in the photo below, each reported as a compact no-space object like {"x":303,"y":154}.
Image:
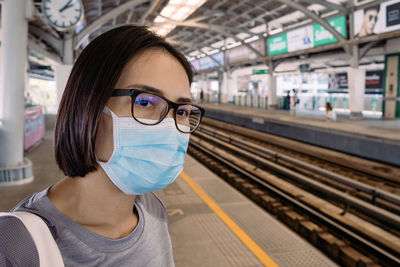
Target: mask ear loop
{"x":116,"y":138}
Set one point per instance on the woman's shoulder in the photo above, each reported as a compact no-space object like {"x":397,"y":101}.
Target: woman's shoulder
{"x":17,"y":247}
{"x":153,"y":205}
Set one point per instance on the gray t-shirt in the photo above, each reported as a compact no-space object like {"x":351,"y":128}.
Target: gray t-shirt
{"x":149,"y":244}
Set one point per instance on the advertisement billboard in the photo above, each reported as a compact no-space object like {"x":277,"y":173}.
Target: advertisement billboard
{"x":381,"y":18}
{"x":306,"y":37}
{"x":374,"y":79}
{"x":322,"y":36}
{"x":242,"y":52}
{"x":300,"y":39}
{"x":277,"y":45}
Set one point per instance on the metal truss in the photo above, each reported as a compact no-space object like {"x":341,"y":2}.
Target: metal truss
{"x":221,"y":22}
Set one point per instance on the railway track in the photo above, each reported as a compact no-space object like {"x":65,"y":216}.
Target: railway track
{"x":351,"y":220}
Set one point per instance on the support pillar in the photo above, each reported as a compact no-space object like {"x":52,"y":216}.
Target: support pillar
{"x":62,"y":72}
{"x":271,"y":84}
{"x":228,"y":89}
{"x":356,"y":82}
{"x":220,"y":84}
{"x":14,"y":168}
{"x":61,"y":75}
{"x":391,"y":91}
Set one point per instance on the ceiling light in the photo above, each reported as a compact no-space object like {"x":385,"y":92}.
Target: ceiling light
{"x":194,"y":2}
{"x":233,"y":45}
{"x":212,"y":52}
{"x":175,"y":2}
{"x":177,"y":10}
{"x":159,"y":19}
{"x":168,"y":11}
{"x":181,"y":13}
{"x":275,"y":31}
{"x":248,"y":40}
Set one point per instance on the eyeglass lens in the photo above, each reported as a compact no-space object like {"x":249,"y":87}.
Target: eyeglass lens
{"x":150,"y":109}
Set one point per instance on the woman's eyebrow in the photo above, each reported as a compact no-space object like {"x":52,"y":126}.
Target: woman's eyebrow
{"x":157,"y":91}
{"x":147,"y":88}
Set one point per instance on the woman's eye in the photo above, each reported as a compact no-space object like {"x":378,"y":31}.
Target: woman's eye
{"x":143,"y":102}
{"x":182,"y":112}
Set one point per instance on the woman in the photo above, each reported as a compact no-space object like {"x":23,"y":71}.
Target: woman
{"x":122,"y":131}
{"x":330,"y":114}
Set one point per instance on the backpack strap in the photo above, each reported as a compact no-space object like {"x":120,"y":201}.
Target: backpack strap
{"x":49,"y":253}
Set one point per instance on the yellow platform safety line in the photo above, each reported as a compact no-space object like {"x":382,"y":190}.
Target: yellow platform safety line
{"x":252,"y":246}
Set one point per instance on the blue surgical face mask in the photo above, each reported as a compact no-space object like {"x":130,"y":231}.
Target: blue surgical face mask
{"x":145,"y":158}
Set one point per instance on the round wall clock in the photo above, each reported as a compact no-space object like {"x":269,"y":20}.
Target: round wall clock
{"x":63,"y":15}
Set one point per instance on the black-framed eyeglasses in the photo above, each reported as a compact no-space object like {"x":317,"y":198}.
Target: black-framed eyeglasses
{"x":150,"y":108}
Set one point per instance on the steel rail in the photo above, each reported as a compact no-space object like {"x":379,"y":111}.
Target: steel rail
{"x":374,"y":192}
{"x":380,"y":253}
{"x":369,"y":209}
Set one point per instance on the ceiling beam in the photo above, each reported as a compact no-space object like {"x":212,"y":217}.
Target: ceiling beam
{"x":55,"y":43}
{"x":53,"y":59}
{"x":153,"y":7}
{"x":198,"y":49}
{"x":222,"y":30}
{"x":115,"y":12}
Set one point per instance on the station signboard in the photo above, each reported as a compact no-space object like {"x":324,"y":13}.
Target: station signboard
{"x":261,"y":71}
{"x":322,"y":36}
{"x":304,"y":68}
{"x":376,"y":19}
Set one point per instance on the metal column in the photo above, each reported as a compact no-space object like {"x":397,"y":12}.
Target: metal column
{"x":14,"y":168}
{"x":272,"y":97}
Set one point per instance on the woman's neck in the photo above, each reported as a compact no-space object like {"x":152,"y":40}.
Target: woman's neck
{"x":96,"y":203}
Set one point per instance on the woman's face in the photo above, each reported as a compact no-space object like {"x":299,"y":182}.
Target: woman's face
{"x":154,"y":68}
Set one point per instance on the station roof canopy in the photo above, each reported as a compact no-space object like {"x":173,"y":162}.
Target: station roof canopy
{"x":195,"y":27}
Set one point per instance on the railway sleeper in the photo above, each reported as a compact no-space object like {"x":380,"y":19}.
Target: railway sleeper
{"x":334,"y":247}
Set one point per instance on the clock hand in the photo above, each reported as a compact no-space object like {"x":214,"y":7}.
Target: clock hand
{"x":67,"y":5}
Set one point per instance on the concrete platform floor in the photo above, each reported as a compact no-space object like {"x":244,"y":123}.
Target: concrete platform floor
{"x":369,"y":125}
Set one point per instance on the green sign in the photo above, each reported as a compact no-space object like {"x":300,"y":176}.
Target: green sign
{"x":260,"y":71}
{"x":277,"y":45}
{"x":322,"y":36}
{"x":304,"y":68}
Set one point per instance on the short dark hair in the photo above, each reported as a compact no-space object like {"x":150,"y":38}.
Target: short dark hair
{"x":89,"y":86}
{"x":375,"y":7}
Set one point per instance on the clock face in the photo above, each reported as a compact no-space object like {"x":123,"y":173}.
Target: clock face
{"x":63,"y":14}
